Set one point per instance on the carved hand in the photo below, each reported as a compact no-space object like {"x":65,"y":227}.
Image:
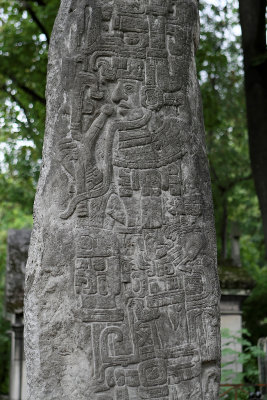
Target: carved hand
{"x":107,"y":109}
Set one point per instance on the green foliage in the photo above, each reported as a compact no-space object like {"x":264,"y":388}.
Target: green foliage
{"x":25,"y":28}
{"x":23,"y":60}
{"x":220,"y":70}
{"x":255,"y":307}
{"x":221,"y":79}
{"x":247,"y":359}
{"x":24,"y":45}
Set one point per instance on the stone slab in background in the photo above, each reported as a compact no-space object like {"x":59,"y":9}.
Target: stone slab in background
{"x":122,"y":289}
{"x":17,"y":253}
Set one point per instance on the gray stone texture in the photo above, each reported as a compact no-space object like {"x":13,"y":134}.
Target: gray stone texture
{"x":17,"y":252}
{"x":122,"y":290}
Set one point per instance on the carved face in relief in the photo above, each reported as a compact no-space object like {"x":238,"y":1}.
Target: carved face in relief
{"x":126,"y":96}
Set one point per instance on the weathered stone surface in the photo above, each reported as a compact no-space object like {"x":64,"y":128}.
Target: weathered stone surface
{"x":122,"y":288}
{"x":17,"y":252}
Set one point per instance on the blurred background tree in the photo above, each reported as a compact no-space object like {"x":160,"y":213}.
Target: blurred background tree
{"x":25,"y":29}
{"x":221,"y":73}
{"x":253,"y":24}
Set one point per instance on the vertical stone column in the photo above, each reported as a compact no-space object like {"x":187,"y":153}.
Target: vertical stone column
{"x":122,"y":288}
{"x":17,"y":253}
{"x":17,"y":388}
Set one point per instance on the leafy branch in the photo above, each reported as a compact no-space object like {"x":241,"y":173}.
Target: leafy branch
{"x":35,"y":18}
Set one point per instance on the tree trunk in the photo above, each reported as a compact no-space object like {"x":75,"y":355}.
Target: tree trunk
{"x":253,"y":24}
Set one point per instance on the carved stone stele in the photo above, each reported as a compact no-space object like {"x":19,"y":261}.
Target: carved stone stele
{"x":122,"y":288}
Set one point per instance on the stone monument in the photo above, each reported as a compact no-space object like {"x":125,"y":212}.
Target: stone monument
{"x":17,"y":253}
{"x":122,"y":291}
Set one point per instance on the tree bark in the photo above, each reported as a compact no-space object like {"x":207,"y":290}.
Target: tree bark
{"x":253,"y":24}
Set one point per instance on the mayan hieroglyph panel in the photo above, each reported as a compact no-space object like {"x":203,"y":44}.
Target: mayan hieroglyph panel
{"x":122,"y":288}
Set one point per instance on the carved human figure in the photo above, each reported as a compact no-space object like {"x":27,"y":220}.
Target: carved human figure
{"x":127,"y":97}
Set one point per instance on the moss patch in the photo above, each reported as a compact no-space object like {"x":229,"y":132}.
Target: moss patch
{"x":232,"y":277}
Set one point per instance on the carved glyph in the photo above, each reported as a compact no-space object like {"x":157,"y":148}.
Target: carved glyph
{"x":122,"y":282}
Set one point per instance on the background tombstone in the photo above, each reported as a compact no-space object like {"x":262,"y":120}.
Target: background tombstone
{"x":17,"y":253}
{"x":121,"y":287}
